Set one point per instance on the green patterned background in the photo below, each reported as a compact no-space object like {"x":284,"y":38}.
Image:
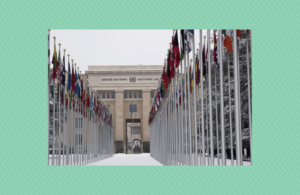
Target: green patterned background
{"x":23,"y":118}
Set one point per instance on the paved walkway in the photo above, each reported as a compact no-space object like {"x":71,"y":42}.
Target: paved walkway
{"x":128,"y":160}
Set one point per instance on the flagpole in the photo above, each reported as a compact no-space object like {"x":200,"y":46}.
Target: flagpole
{"x":202,"y":96}
{"x":210,"y":103}
{"x":74,"y":107}
{"x":195,"y":105}
{"x":237,"y":100}
{"x":59,"y":102}
{"x":53,"y":129}
{"x":216,"y":97}
{"x":249,"y":99}
{"x":239,"y":92}
{"x":63,"y":104}
{"x":68,"y":126}
{"x":217,"y":122}
{"x":48,"y":82}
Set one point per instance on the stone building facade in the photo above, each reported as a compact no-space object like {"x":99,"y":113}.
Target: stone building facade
{"x":123,"y":88}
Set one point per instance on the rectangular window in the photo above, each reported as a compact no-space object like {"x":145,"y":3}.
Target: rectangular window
{"x":140,"y":94}
{"x":134,"y":94}
{"x":113,"y":95}
{"x":78,"y":122}
{"x":78,"y":140}
{"x":108,"y":95}
{"x":103,"y":95}
{"x":125,"y":95}
{"x":152,"y":94}
{"x":136,"y":130}
{"x":134,"y":108}
{"x":130,"y":94}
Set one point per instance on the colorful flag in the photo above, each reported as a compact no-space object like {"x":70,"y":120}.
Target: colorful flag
{"x":238,"y":34}
{"x":203,"y":60}
{"x":182,"y":46}
{"x":190,"y":38}
{"x":54,"y":59}
{"x":73,"y":79}
{"x":215,"y":50}
{"x":63,"y":78}
{"x":227,"y":41}
{"x":176,"y":52}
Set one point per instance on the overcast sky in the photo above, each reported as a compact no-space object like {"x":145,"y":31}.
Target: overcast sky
{"x":115,"y":47}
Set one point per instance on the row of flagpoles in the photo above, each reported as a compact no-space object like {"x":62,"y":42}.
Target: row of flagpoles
{"x":80,"y":126}
{"x":184,"y":130}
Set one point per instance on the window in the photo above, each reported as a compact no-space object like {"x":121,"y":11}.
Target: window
{"x":125,"y":95}
{"x":130,"y":94}
{"x":108,"y":95}
{"x":103,"y":95}
{"x":140,"y":94}
{"x":152,"y":94}
{"x":78,"y":140}
{"x":113,"y":95}
{"x":78,"y":122}
{"x":134,"y":108}
{"x":134,"y":94}
{"x":136,"y":130}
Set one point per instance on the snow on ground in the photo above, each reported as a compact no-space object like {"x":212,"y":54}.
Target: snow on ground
{"x":143,"y":159}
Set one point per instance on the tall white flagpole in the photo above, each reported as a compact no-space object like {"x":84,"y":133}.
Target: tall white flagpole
{"x":210,"y":104}
{"x":59,"y":102}
{"x":48,"y":82}
{"x":216,"y":105}
{"x":249,"y":98}
{"x":64,"y":105}
{"x":195,"y":105}
{"x":229,"y":101}
{"x":202,"y":96}
{"x":189,"y":107}
{"x":68,"y":132}
{"x":237,"y":100}
{"x":222,"y":99}
{"x":53,"y":129}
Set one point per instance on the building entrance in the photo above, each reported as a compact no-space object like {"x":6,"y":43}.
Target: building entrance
{"x":133,"y":136}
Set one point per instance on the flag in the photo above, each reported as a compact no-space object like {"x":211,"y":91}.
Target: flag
{"x":215,"y":50}
{"x":207,"y":58}
{"x":73,"y":79}
{"x":176,"y":52}
{"x":76,"y":83}
{"x":177,"y":94}
{"x":180,"y":95}
{"x":58,"y":72}
{"x":171,"y":61}
{"x":182,"y":46}
{"x":186,"y":40}
{"x":227,"y":41}
{"x":191,"y":79}
{"x":54,"y":59}
{"x":190,"y":38}
{"x":238,"y":34}
{"x":198,"y":71}
{"x":203,"y":60}
{"x":63,"y":78}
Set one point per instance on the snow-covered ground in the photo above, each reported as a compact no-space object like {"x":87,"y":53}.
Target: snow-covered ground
{"x":143,"y":159}
{"x":128,"y":160}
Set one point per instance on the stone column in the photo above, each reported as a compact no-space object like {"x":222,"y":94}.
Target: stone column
{"x":145,"y":133}
{"x":119,"y":145}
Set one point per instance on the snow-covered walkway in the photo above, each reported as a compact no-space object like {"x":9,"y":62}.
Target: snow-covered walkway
{"x":128,"y":160}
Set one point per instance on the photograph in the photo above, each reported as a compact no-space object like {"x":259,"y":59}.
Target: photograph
{"x":150,"y":97}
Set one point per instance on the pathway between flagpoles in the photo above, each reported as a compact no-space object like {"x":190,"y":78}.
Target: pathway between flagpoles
{"x":128,"y":160}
